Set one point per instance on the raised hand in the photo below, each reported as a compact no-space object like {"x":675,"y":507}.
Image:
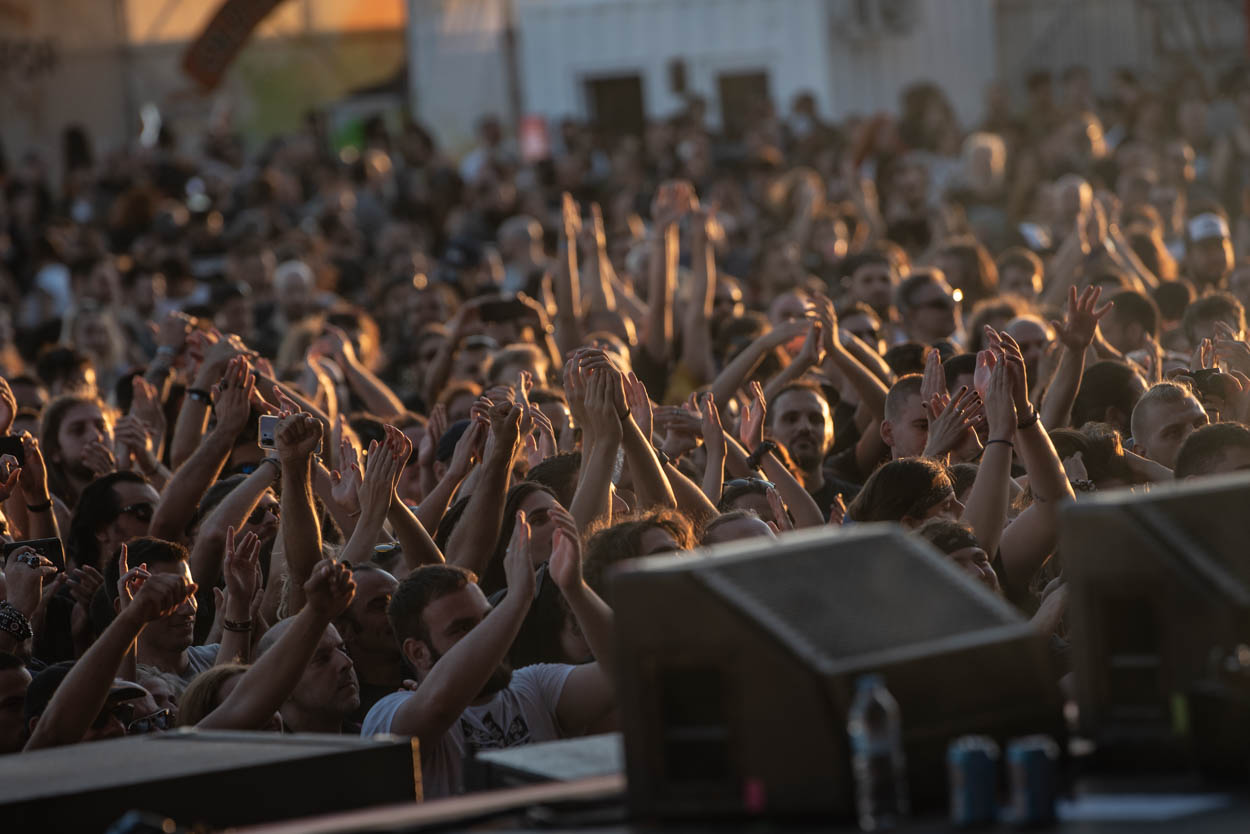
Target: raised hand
{"x":837,"y":512}
{"x":132,"y":436}
{"x":934,"y":381}
{"x":828,"y":320}
{"x":517,"y":565}
{"x":1000,"y":405}
{"x":1230,"y":349}
{"x":751,"y":430}
{"x":336,"y":343}
{"x":565,"y":565}
{"x":98,"y":458}
{"x":232,"y":396}
{"x":711,"y":427}
{"x":781,"y":516}
{"x":812,"y":353}
{"x":297,"y":436}
{"x":469,"y":449}
{"x":330,"y":589}
{"x":161,"y":595}
{"x":25,"y":577}
{"x":383,"y":466}
{"x":1019,"y":376}
{"x":8,"y":407}
{"x":145,"y":406}
{"x":174,"y":330}
{"x":1080,"y":321}
{"x":345,"y":481}
{"x":10,"y":473}
{"x":242,"y":566}
{"x":129,"y":580}
{"x":603,"y":418}
{"x":639,"y":404}
{"x":952,"y":422}
{"x":575,"y":382}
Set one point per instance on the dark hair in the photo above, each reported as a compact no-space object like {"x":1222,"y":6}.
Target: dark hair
{"x":962,"y":476}
{"x":1006,"y":307}
{"x":745,"y":486}
{"x":906,"y":488}
{"x":367,"y":428}
{"x":1106,"y":384}
{"x":50,"y":444}
{"x":726,"y":518}
{"x":445,"y":447}
{"x":907,"y":358}
{"x":623,"y":541}
{"x":1019,"y":257}
{"x":980,"y":273}
{"x":1102,"y":451}
{"x":558,"y":473}
{"x":797,"y":385}
{"x":56,"y":364}
{"x":1217,"y":306}
{"x":903,"y":389}
{"x":913,"y":283}
{"x":960,"y":364}
{"x":493,"y":577}
{"x":948,"y":536}
{"x":854,"y":262}
{"x":215,"y":494}
{"x":423,"y":586}
{"x":1205,"y":447}
{"x":1172,"y":297}
{"x":148,"y":549}
{"x":97,"y":507}
{"x":1136,"y":308}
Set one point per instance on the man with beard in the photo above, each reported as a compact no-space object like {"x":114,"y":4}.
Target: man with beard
{"x":468,"y":699}
{"x":801,"y":422}
{"x":369,"y":637}
{"x":166,"y":642}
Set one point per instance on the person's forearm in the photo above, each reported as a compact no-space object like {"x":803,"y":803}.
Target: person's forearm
{"x":788,"y":374}
{"x":696,"y":334}
{"x":598,"y":293}
{"x":597,"y":624}
{"x":733,"y":375}
{"x":714,"y":477}
{"x":872,"y":391}
{"x":231,"y":511}
{"x":236,"y":645}
{"x":691,"y":500}
{"x":373,"y":392}
{"x":627,"y":303}
{"x":434,"y":505}
{"x":1060,"y":396}
{"x":871,"y":360}
{"x":265,"y":687}
{"x":1124,"y":255}
{"x":300,"y":530}
{"x":736,"y":458}
{"x":802,"y":506}
{"x":1062,"y":270}
{"x":419,"y":549}
{"x":592,"y":501}
{"x":473,"y":540}
{"x":323,"y":488}
{"x":39,"y":524}
{"x":459,"y":675}
{"x":568,"y":301}
{"x":1047,"y":479}
{"x":439,"y":371}
{"x":186,"y":488}
{"x":189,"y":430}
{"x":650,"y":483}
{"x":986,"y":509}
{"x":359,"y":547}
{"x":81,"y":696}
{"x":660,"y":272}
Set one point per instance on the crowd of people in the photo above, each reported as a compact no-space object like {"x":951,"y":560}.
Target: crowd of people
{"x":280,"y":430}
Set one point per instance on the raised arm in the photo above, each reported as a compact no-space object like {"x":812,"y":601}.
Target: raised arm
{"x":271,"y":680}
{"x":872,"y":391}
{"x":597,"y":270}
{"x":696,"y":330}
{"x":373,"y":392}
{"x":714,"y":450}
{"x":457,"y":677}
{"x":33,"y":490}
{"x":84,"y":692}
{"x":671,"y":201}
{"x":802,"y":506}
{"x":986,"y":509}
{"x":567,"y":282}
{"x":588,"y":692}
{"x":181,"y":497}
{"x":734,"y":375}
{"x":473,"y":540}
{"x":601,"y":441}
{"x":468,"y":454}
{"x":1076,"y":334}
{"x":377,"y":495}
{"x":298,"y":435}
{"x":242,"y":571}
{"x":232,"y":511}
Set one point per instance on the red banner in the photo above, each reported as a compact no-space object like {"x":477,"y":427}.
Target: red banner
{"x":209,"y":55}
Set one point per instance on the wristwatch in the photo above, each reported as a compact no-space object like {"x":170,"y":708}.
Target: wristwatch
{"x":14,"y":623}
{"x":753,"y":460}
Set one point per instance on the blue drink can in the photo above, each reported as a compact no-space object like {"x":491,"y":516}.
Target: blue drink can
{"x":972,"y":768}
{"x":1032,"y":764}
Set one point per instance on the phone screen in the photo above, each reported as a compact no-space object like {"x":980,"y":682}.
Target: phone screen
{"x":12,"y":445}
{"x":266,"y":431}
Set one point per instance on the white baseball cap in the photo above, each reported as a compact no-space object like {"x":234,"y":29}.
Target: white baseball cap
{"x":1207,"y":226}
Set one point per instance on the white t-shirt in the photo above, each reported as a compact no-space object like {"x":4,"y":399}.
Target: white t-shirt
{"x":524,"y":713}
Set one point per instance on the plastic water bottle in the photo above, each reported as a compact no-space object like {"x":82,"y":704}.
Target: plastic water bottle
{"x":876,"y":733}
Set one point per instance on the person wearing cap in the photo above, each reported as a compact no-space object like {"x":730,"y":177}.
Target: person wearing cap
{"x":1209,"y":250}
{"x":72,"y":702}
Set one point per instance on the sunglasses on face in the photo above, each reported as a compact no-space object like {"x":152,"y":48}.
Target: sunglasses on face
{"x":142,"y":511}
{"x":163,"y":720}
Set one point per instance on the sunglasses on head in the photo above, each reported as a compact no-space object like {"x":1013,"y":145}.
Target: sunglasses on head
{"x":143,"y":511}
{"x":163,"y":720}
{"x":738,"y":483}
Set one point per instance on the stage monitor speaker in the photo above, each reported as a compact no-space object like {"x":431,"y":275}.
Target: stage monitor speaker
{"x":1160,"y":617}
{"x":216,"y":779}
{"x":737,"y":666}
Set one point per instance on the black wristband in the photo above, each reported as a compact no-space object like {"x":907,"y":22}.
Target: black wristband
{"x":200,"y":396}
{"x":753,"y":460}
{"x":1007,"y":442}
{"x":663,"y":457}
{"x":14,"y":623}
{"x":1029,"y":422}
{"x":40,"y":508}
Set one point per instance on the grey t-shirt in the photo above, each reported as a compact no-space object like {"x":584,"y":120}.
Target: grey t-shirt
{"x":524,"y":713}
{"x":200,"y":658}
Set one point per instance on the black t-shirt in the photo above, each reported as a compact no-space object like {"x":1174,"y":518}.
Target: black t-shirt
{"x":829,"y":490}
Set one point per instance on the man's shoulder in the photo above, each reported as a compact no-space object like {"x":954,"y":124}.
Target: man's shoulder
{"x":378,"y":719}
{"x":542,"y":680}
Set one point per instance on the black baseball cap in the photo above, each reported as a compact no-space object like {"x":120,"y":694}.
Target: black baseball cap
{"x":44,"y":685}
